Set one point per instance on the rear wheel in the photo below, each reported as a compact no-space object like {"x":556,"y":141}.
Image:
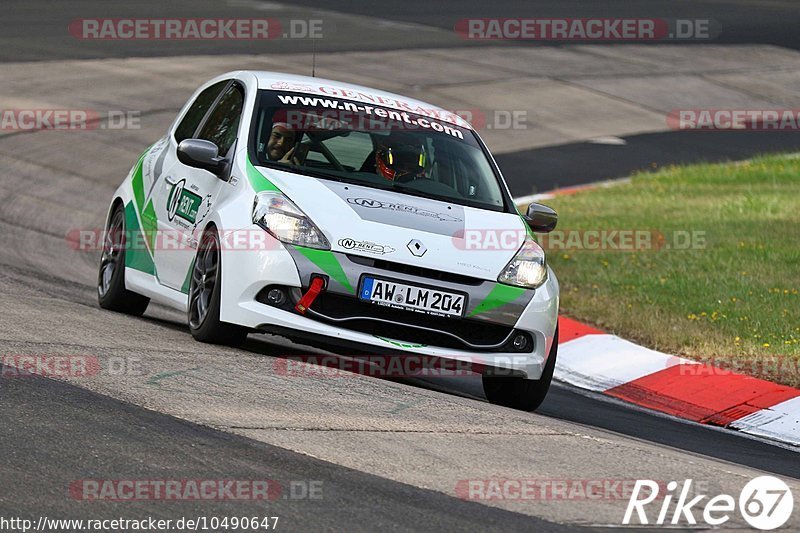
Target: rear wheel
{"x":519,"y":393}
{"x":111,"y":291}
{"x":204,"y":296}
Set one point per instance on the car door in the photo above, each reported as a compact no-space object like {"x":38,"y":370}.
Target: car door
{"x":185,"y":196}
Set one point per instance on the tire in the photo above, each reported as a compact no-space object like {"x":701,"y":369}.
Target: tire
{"x":520,"y":393}
{"x":111,"y":291}
{"x":204,"y":296}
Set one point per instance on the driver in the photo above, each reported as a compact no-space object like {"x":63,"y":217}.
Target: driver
{"x":401,"y":159}
{"x":280,"y":146}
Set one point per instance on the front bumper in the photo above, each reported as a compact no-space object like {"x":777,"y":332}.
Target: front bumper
{"x":481,"y":338}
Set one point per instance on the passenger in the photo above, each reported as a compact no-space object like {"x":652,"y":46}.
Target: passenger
{"x":280,"y":146}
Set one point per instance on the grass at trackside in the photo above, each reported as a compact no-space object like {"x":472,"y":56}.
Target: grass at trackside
{"x":734,"y":300}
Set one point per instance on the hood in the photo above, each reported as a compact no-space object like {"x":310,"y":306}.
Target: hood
{"x":405,"y":229}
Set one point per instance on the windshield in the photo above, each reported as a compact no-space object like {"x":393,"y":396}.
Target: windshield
{"x":374,"y":146}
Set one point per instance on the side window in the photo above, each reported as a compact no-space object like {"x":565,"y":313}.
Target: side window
{"x":197,"y":111}
{"x":222,"y":124}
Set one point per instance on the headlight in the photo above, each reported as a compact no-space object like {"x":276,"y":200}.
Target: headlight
{"x":528,"y":268}
{"x":284,"y":221}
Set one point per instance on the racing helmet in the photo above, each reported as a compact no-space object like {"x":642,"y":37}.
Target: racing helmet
{"x":401,"y":159}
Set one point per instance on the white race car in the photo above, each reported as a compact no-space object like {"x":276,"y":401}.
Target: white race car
{"x":337,"y":214}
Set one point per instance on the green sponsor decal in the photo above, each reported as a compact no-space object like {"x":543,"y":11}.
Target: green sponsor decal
{"x":150,"y":224}
{"x":400,"y":344}
{"x":499,"y":296}
{"x":136,"y":255}
{"x":188,"y":203}
{"x":188,"y":280}
{"x":137,"y":182}
{"x":182,"y":203}
{"x":328,"y":263}
{"x":146,"y":214}
{"x":258,"y":181}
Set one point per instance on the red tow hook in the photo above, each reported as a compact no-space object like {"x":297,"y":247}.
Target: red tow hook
{"x":317,"y":285}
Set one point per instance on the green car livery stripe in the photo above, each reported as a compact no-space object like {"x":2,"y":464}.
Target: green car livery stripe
{"x":187,"y":281}
{"x":138,"y":254}
{"x":500,"y":295}
{"x":329,"y":264}
{"x":135,"y":257}
{"x":400,"y":344}
{"x":258,"y":181}
{"x":137,"y":182}
{"x":150,"y":225}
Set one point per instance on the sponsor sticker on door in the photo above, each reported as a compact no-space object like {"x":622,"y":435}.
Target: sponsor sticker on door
{"x":183,"y":203}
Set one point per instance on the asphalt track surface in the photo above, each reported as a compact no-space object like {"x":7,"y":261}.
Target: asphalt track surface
{"x":106,"y":435}
{"x":37,"y":30}
{"x":54,"y":433}
{"x":34,"y":30}
{"x":567,"y":165}
{"x":740,"y":21}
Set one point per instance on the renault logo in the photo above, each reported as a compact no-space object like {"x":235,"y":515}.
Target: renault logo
{"x":416,"y":247}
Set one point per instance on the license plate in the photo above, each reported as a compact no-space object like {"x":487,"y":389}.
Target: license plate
{"x":412,"y":297}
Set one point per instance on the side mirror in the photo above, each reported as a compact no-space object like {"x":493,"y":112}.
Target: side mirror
{"x":202,"y":154}
{"x":540,"y":218}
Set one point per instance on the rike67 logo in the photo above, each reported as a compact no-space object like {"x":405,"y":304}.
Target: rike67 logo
{"x":765,"y":503}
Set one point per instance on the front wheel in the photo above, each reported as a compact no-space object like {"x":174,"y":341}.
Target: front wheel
{"x":520,"y":393}
{"x":204,"y":296}
{"x":111,"y":291}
